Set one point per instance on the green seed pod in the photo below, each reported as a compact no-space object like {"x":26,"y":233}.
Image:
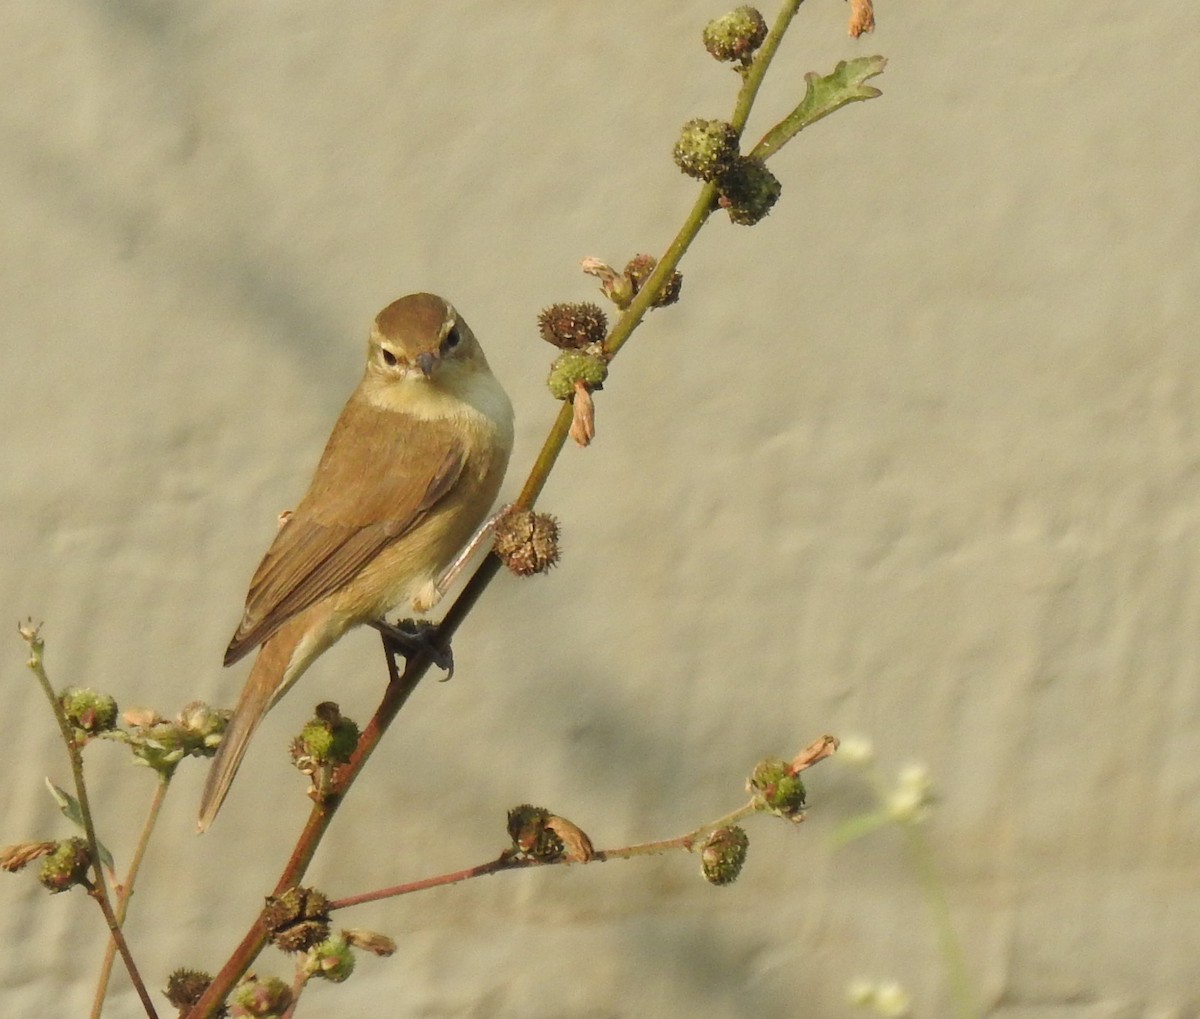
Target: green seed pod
{"x":331,"y":960}
{"x":329,"y":738}
{"x":777,"y":788}
{"x":723,"y":854}
{"x":706,"y":148}
{"x":88,"y":710}
{"x":736,"y":35}
{"x":748,"y":191}
{"x":66,"y":866}
{"x":262,"y":998}
{"x":573,"y":366}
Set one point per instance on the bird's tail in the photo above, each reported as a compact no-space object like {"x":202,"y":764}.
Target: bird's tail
{"x":264,"y":684}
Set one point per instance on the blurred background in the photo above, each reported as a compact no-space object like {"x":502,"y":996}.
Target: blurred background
{"x":916,"y":459}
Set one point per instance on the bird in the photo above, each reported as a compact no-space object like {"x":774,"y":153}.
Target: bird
{"x":411,"y":468}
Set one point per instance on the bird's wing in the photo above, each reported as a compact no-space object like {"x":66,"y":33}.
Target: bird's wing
{"x":376,"y":481}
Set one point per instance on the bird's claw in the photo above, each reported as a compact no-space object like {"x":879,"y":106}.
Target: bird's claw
{"x":408,"y":637}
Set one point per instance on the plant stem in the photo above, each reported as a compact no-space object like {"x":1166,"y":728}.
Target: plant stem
{"x":125,"y":891}
{"x":939,"y":905}
{"x":123,"y":948}
{"x":503,"y":863}
{"x":762,"y":61}
{"x":98,"y":889}
{"x":398,"y":693}
{"x":299,"y":982}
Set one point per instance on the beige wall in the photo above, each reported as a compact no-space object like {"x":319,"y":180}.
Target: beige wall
{"x":917,"y":458}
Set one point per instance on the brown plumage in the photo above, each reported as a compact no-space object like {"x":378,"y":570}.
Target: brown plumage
{"x":410,"y":470}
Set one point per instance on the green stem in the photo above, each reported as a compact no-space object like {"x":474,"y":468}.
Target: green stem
{"x":762,"y":60}
{"x":939,"y":906}
{"x":98,"y":888}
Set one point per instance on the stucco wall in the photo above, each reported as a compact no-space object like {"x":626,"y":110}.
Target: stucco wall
{"x":917,"y":458}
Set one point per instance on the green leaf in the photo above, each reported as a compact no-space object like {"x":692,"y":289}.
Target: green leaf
{"x":72,"y":811}
{"x":823,"y":97}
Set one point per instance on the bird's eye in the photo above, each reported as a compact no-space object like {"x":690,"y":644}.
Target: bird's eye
{"x":388,"y":357}
{"x":452,"y":339}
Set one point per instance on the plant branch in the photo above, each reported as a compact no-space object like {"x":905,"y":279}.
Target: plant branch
{"x":815,"y":752}
{"x":123,"y":948}
{"x":97,"y":889}
{"x":399,"y":690}
{"x":125,"y":891}
{"x":758,"y":67}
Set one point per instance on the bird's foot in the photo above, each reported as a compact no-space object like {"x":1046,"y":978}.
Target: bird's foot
{"x":408,"y":637}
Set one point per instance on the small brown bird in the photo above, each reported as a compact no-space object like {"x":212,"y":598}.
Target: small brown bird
{"x":413,"y":464}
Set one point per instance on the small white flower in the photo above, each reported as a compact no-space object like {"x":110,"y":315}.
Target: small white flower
{"x":910,"y":800}
{"x":856,"y":750}
{"x":861,"y":992}
{"x":892,"y":1000}
{"x":886,"y":999}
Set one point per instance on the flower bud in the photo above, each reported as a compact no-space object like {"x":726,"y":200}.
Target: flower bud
{"x":723,"y":854}
{"x":614,"y":285}
{"x":66,"y":866}
{"x":736,"y":35}
{"x":706,"y":149}
{"x":370,"y":941}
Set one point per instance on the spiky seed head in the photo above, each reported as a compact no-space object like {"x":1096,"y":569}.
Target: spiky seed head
{"x":573,"y":326}
{"x":706,"y":148}
{"x":748,"y":191}
{"x":527,"y":542}
{"x":736,"y":35}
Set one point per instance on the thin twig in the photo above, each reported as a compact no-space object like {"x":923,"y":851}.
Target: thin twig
{"x":97,"y":889}
{"x":123,"y":948}
{"x":125,"y":891}
{"x":686,"y":842}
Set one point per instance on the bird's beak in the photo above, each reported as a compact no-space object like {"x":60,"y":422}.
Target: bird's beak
{"x":427,"y":362}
